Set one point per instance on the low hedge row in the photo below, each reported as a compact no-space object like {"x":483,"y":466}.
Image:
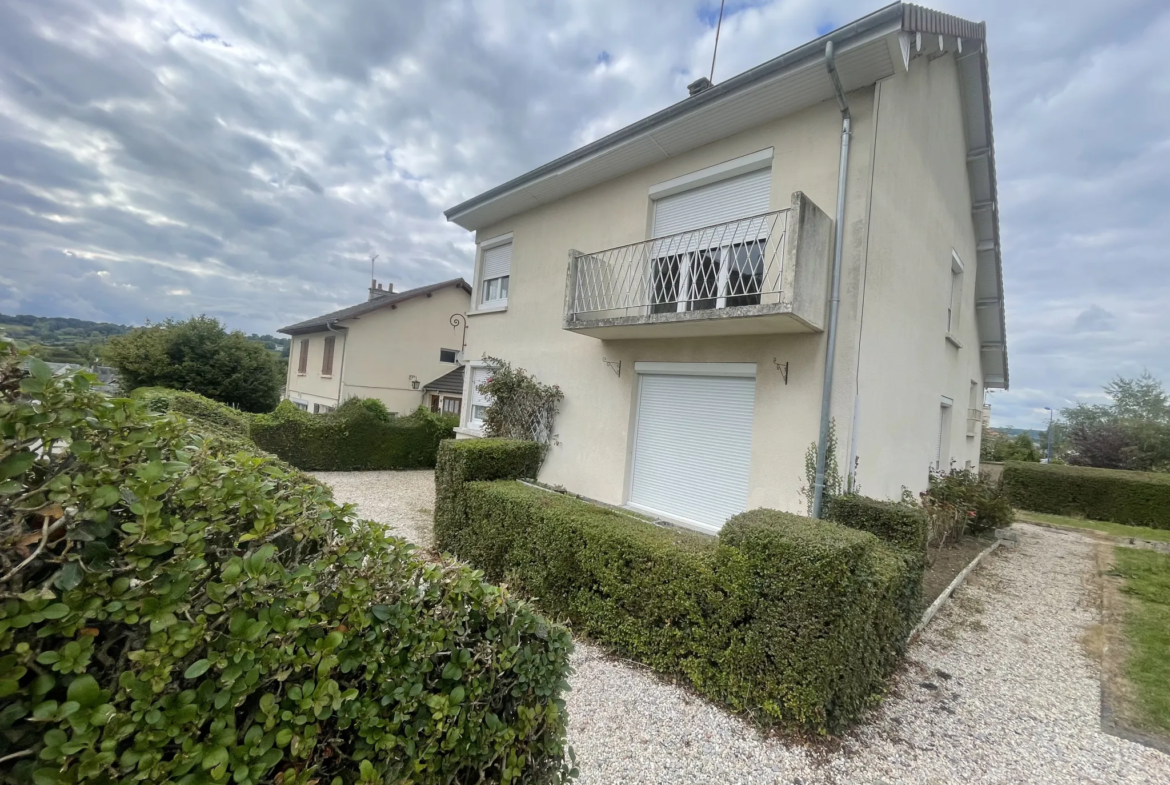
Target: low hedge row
{"x":791,"y":620}
{"x":193,"y":616}
{"x":351,"y":438}
{"x":1133,"y":498}
{"x":210,"y":416}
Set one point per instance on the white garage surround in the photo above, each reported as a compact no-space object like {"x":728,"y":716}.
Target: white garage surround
{"x":693,"y":441}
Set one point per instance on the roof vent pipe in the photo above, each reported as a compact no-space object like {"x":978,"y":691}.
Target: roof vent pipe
{"x":699,"y":85}
{"x":835,"y":289}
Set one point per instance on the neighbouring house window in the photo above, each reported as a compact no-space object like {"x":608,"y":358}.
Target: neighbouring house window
{"x":955,"y":298}
{"x":452,"y":406}
{"x":495,"y":272}
{"x":320,"y":408}
{"x":303,"y":360}
{"x":479,"y":401}
{"x":327,"y":356}
{"x":304,"y":407}
{"x":447,"y":355}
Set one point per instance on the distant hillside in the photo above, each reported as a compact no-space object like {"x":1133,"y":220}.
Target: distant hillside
{"x":64,"y":340}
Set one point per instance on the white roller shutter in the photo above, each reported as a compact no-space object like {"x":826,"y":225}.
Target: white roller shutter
{"x":692,"y":449}
{"x":727,"y":200}
{"x":497,"y":262}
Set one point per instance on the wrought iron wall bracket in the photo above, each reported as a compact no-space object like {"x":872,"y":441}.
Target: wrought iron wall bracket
{"x":782,"y":368}
{"x":616,"y":367}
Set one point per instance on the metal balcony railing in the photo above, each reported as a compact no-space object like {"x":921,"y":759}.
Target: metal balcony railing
{"x":721,"y":266}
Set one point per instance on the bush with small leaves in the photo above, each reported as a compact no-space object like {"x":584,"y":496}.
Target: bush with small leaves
{"x":173,"y":612}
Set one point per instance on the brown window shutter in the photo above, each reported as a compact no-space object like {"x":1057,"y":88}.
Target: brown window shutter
{"x":303,"y":363}
{"x":327,"y":358}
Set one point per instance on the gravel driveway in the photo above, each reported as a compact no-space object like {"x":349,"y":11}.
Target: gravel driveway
{"x":998,"y":689}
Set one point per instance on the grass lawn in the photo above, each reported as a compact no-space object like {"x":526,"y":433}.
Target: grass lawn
{"x":1146,"y":576}
{"x":1116,"y":529}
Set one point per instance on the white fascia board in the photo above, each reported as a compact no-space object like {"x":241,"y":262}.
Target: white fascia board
{"x":697,"y":369}
{"x":713,"y":174}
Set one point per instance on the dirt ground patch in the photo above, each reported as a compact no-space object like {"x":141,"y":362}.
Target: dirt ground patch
{"x":946,"y":564}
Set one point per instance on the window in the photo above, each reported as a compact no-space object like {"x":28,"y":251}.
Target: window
{"x":943,"y":444}
{"x":327,"y":356}
{"x":495,"y":269}
{"x":479,"y":401}
{"x":452,"y":406}
{"x":320,"y":408}
{"x":447,"y":355}
{"x":710,"y":244}
{"x":303,"y":360}
{"x":304,"y":407}
{"x":955,"y":298}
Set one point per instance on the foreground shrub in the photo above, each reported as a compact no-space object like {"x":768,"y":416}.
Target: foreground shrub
{"x":211,"y":416}
{"x":1133,"y":498}
{"x":173,"y":616}
{"x":356,"y":436}
{"x":792,"y":620}
{"x":962,"y":502}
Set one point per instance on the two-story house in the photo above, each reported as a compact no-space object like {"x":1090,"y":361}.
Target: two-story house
{"x":813,"y":242}
{"x":399,"y":347}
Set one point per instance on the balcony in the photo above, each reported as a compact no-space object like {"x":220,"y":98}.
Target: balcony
{"x":974,"y":421}
{"x":764,"y":274}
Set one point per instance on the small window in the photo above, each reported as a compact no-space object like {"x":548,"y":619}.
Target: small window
{"x":479,"y":401}
{"x":303,"y":360}
{"x":304,"y":407}
{"x":943,"y":444}
{"x":320,"y":408}
{"x":327,"y":356}
{"x":955,"y":297}
{"x":447,"y":355}
{"x":495,"y":270}
{"x":452,"y":406}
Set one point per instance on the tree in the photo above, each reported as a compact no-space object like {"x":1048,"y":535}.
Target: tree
{"x":200,"y":356}
{"x":1132,"y":432}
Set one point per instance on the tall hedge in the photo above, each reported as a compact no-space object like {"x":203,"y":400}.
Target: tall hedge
{"x":174,"y":614}
{"x":352,"y":438}
{"x":792,"y":620}
{"x":1133,"y":498}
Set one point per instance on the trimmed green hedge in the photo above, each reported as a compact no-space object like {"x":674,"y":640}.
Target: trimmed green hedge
{"x":898,"y":524}
{"x":210,"y":415}
{"x":192,"y":616}
{"x":1132,"y":498}
{"x":791,"y":620}
{"x":351,"y":438}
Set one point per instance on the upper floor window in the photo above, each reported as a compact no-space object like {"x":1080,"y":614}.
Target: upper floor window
{"x":495,"y":271}
{"x":955,"y":298}
{"x":327,"y":356}
{"x":447,"y":355}
{"x":303,"y":360}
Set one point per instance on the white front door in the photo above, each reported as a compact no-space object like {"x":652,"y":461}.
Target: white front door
{"x":692,"y":447}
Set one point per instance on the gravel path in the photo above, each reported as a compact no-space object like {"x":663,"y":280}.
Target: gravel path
{"x":998,"y":689}
{"x":404,"y":501}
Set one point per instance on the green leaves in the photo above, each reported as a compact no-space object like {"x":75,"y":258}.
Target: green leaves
{"x":16,"y":464}
{"x":196,"y":669}
{"x":204,"y":614}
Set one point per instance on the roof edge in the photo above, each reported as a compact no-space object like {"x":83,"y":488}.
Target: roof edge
{"x":320,"y":323}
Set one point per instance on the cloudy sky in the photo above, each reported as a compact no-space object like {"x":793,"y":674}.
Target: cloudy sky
{"x":242,"y":158}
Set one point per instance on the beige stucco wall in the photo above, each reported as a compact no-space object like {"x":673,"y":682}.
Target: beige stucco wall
{"x":311,"y":386}
{"x":921,"y":210}
{"x":597,"y":415}
{"x":382,"y":349}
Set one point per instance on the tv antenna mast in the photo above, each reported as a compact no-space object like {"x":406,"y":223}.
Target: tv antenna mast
{"x":373,"y":257}
{"x":718,"y":26}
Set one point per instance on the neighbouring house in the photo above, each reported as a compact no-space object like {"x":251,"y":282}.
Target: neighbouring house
{"x":676,"y":278}
{"x":396,"y":347}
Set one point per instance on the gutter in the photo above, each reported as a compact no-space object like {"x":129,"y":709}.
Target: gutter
{"x":835,"y":295}
{"x":344,"y":333}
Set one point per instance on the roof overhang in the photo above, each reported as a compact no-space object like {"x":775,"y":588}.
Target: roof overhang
{"x":867,"y":51}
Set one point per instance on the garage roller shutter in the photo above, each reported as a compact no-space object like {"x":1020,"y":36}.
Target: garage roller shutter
{"x":692,"y":449}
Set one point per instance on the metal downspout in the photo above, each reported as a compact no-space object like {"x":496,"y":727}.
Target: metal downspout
{"x":835,"y":296}
{"x":344,"y":333}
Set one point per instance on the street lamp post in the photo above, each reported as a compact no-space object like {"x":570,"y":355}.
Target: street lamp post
{"x":1049,"y":408}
